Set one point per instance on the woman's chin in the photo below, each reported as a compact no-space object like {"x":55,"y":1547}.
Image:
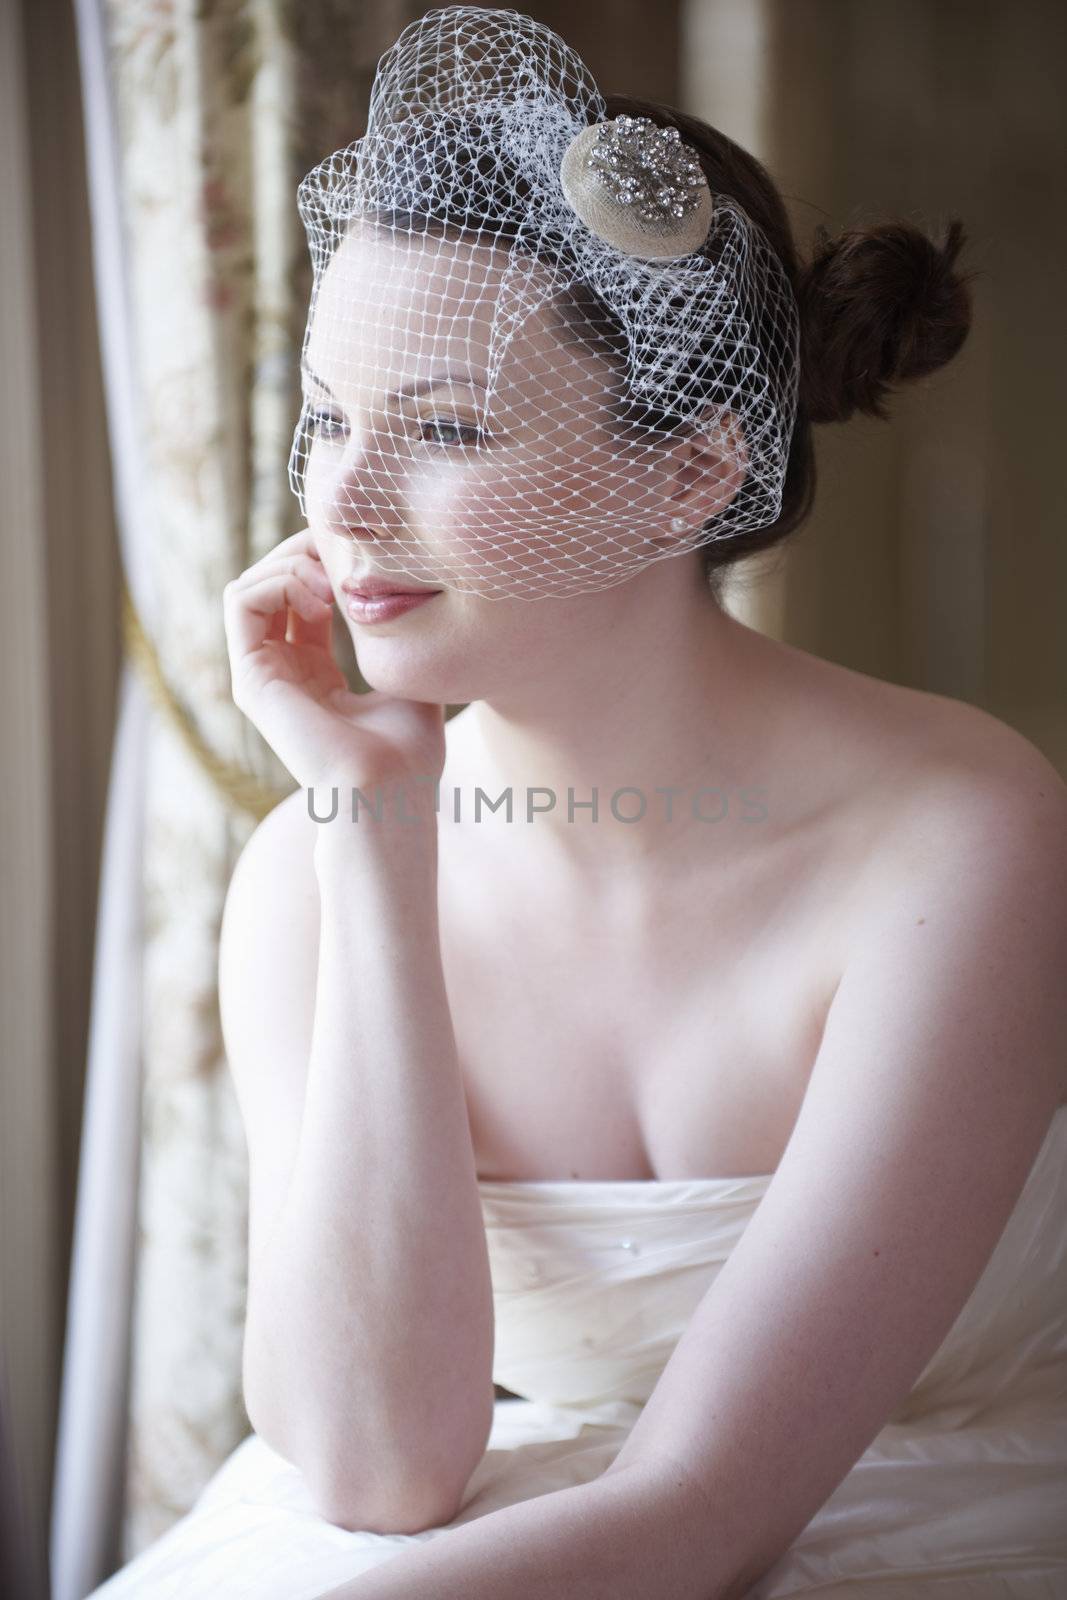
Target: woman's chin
{"x":397,"y":667}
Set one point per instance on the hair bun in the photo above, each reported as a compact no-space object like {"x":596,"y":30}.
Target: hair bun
{"x":878,"y":306}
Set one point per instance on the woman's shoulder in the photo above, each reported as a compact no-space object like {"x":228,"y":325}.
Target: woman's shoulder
{"x":287,"y":833}
{"x":276,"y":865}
{"x":925,"y":737}
{"x":927,"y":772}
{"x":895,"y":773}
{"x":963,"y":756}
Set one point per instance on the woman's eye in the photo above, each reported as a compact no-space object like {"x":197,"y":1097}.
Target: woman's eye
{"x":470,"y":434}
{"x":320,"y":421}
{"x":323,"y":425}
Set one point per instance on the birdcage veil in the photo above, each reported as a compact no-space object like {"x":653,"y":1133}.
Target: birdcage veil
{"x":561,"y":300}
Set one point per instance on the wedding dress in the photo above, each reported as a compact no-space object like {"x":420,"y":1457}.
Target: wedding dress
{"x":962,"y":1495}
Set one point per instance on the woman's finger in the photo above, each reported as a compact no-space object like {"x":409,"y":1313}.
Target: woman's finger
{"x":250,"y":611}
{"x":302,"y":541}
{"x":298,"y":551}
{"x":278,"y":626}
{"x":318,"y":633}
{"x":314,"y":631}
{"x":300,"y":562}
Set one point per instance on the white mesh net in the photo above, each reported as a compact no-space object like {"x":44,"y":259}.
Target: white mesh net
{"x":539,"y":352}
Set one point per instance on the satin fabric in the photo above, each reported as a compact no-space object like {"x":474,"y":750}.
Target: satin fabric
{"x":962,"y":1495}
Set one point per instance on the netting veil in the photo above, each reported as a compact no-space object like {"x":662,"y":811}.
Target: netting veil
{"x":539,"y":351}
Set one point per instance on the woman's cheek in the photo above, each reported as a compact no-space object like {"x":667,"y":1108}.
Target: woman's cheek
{"x":456,"y":513}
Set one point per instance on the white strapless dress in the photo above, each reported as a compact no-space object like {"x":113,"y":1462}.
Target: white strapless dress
{"x":962,"y":1495}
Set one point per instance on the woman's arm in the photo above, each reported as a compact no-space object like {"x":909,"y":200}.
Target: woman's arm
{"x":369,"y":1332}
{"x":616,"y":1538}
{"x":939,"y":1071}
{"x":940,"y":1068}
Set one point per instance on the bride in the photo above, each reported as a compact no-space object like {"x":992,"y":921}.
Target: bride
{"x":673,"y":933}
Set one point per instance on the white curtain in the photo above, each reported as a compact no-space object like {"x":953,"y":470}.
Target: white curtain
{"x":92,"y":1418}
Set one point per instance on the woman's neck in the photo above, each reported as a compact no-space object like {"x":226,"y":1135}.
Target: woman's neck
{"x":682,"y":703}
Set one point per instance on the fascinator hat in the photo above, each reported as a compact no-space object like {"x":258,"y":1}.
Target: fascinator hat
{"x":555,"y":355}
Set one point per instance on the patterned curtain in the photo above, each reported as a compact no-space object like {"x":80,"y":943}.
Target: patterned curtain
{"x":206,"y":118}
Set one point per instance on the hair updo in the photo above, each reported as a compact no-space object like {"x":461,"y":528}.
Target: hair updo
{"x":879,"y":305}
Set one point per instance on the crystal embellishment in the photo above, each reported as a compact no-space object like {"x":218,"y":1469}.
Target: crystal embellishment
{"x":638,"y":186}
{"x":645,"y":166}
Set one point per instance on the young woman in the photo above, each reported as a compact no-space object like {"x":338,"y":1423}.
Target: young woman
{"x":710,"y":1099}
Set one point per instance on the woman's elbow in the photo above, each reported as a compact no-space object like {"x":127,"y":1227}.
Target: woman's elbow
{"x":371,"y":1510}
{"x":397,"y":1497}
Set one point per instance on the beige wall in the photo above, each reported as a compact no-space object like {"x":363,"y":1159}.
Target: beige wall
{"x":937,"y":555}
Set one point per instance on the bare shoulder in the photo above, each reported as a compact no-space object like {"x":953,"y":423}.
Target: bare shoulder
{"x":268,"y":948}
{"x":280,"y":854}
{"x":920,"y":786}
{"x":976,"y":844}
{"x":975,"y":778}
{"x":273,"y":899}
{"x":291,"y":826}
{"x":914,"y":757}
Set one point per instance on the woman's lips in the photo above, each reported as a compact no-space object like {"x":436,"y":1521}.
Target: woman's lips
{"x":382,"y":608}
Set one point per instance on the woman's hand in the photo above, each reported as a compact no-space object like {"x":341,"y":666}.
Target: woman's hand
{"x":284,"y":677}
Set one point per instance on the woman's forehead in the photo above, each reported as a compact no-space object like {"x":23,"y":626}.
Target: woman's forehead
{"x":415,"y":295}
{"x":426,"y":272}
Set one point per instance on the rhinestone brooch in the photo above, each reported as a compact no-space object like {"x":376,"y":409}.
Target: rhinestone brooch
{"x":638,"y":187}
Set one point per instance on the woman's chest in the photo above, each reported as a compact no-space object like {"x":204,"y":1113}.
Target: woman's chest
{"x":677,"y":1044}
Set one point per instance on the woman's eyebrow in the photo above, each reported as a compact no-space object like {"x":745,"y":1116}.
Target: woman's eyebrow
{"x":415,"y":386}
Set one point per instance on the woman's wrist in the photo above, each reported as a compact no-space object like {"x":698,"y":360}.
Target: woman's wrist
{"x":396,"y":833}
{"x":404,"y":801}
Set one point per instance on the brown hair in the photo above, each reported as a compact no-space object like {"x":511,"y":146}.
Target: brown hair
{"x":878,"y":305}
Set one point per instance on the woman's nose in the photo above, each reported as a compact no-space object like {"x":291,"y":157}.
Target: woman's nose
{"x":355,"y":505}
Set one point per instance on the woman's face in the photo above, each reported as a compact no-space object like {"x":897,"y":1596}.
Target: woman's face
{"x":427,"y":466}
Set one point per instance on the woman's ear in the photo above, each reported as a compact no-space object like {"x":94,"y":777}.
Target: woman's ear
{"x":711,"y":464}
